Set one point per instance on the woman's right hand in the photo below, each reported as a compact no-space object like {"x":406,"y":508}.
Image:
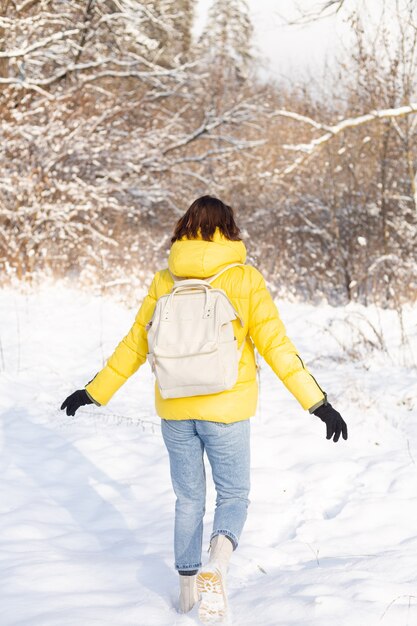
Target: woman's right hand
{"x":75,"y":400}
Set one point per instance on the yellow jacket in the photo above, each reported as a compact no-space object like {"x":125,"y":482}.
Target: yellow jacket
{"x":246,"y":288}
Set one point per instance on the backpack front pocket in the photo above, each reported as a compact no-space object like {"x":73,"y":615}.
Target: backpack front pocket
{"x":189,"y":375}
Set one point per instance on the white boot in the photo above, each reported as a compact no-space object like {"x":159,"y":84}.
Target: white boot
{"x":211,"y":581}
{"x":188,"y":593}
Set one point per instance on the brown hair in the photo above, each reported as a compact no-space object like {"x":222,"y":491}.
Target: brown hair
{"x":206,"y":214}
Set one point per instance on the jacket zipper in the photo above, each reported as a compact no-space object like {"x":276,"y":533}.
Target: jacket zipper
{"x":322,"y":391}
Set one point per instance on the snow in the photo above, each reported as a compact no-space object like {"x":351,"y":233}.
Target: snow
{"x":86,"y":503}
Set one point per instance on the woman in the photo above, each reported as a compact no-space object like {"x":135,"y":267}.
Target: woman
{"x":206,"y":240}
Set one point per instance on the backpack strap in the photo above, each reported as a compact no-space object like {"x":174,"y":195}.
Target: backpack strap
{"x":228,"y":267}
{"x":174,"y":278}
{"x":211,"y":278}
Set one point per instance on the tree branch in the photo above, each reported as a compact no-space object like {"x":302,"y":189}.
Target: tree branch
{"x":14,"y":54}
{"x":310,"y":149}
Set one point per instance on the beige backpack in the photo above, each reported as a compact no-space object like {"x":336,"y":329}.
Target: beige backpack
{"x":192,"y":347}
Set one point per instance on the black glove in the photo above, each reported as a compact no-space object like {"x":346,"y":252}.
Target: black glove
{"x":75,"y":400}
{"x":335,"y":423}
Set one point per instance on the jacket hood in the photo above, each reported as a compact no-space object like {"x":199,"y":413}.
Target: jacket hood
{"x":198,"y":258}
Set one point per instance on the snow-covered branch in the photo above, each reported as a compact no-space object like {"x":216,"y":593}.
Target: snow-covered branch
{"x":299,"y":118}
{"x":42,"y":43}
{"x":235,"y":114}
{"x":311,"y":148}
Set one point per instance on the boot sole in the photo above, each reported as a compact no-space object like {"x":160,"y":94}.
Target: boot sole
{"x":213,"y":605}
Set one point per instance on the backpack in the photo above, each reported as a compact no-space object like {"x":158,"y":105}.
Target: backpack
{"x":192,"y":348}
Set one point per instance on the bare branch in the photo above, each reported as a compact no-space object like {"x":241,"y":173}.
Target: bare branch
{"x":320,"y":12}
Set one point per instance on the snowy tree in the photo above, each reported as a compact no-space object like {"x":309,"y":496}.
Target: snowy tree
{"x":44,"y":44}
{"x":169,"y":23}
{"x":227,"y":41}
{"x":112,"y":124}
{"x":99,"y":138}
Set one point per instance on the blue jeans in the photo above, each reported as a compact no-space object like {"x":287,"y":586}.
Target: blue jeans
{"x":228,"y":451}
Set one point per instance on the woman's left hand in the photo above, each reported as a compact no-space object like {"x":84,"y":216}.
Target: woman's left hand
{"x":335,"y":423}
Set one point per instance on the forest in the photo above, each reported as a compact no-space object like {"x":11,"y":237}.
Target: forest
{"x":115,"y":117}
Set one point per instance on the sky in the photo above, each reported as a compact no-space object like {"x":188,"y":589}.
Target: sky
{"x":295,"y":49}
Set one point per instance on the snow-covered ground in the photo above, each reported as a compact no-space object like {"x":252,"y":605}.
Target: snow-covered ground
{"x":86,"y":503}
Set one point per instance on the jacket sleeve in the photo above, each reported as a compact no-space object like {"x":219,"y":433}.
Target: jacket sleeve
{"x":269,"y":336}
{"x":128,"y":356}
